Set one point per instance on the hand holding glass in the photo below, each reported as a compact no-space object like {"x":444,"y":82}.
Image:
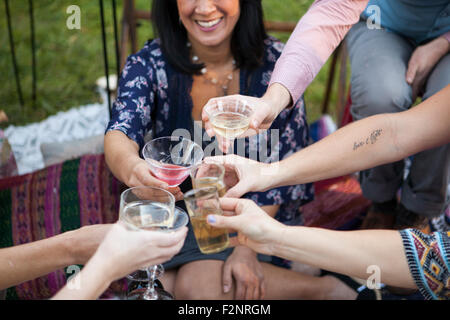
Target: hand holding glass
{"x":209,"y":175}
{"x":149,"y":208}
{"x":171,"y":158}
{"x":229,"y":118}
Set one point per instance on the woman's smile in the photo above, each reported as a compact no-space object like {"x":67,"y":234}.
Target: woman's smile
{"x":209,"y":25}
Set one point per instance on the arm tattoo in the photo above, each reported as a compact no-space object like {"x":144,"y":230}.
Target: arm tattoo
{"x":369,"y":140}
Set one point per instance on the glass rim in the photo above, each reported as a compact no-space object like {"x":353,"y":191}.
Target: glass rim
{"x":222,"y":170}
{"x":191,"y":193}
{"x":243,"y":103}
{"x":171,"y":196}
{"x":180,"y":138}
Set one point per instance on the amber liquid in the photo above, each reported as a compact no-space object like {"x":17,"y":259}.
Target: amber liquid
{"x":230,"y":124}
{"x":210,"y":182}
{"x":209,"y":239}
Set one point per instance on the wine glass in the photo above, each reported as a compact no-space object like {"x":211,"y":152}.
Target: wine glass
{"x":150,"y":208}
{"x":229,"y":118}
{"x":171,"y":158}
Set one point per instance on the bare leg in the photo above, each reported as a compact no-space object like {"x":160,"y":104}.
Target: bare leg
{"x":201,"y":280}
{"x":168,"y":280}
{"x":287,"y":284}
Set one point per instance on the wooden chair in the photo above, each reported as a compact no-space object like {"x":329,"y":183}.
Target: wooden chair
{"x":131,"y":16}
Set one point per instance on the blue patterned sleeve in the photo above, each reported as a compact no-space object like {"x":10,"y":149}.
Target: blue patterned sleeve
{"x":291,"y":131}
{"x":131,"y":110}
{"x":428,"y":258}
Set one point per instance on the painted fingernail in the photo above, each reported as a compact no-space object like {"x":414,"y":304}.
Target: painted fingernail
{"x":211,"y":219}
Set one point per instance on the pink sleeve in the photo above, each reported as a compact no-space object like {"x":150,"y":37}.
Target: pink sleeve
{"x":446,"y":36}
{"x":315,"y":37}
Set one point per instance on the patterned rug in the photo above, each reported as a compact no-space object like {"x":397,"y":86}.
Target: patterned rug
{"x":53,"y":200}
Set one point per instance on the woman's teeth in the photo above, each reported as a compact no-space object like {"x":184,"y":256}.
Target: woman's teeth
{"x":208,"y":24}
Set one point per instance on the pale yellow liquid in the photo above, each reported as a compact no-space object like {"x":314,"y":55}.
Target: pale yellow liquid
{"x":210,"y":182}
{"x":148,"y":215}
{"x":230,"y":124}
{"x":209,"y":239}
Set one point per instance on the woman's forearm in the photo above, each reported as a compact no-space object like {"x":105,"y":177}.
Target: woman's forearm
{"x":362,"y":144}
{"x":349,"y":252}
{"x":32,"y":260}
{"x":120,"y":153}
{"x":369,"y":142}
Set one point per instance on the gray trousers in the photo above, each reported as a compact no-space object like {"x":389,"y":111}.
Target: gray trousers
{"x":379,"y":60}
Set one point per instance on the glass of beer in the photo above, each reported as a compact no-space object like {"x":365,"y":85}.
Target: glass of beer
{"x":209,"y":175}
{"x":200,"y":203}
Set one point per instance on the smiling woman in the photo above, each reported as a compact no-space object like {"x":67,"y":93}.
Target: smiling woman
{"x":236,"y":28}
{"x":203,"y":46}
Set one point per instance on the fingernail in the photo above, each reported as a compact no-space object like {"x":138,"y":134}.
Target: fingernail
{"x":226,"y":288}
{"x":211,"y":219}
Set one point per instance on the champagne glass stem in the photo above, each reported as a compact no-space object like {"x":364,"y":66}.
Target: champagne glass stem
{"x":229,"y":145}
{"x":151,"y":294}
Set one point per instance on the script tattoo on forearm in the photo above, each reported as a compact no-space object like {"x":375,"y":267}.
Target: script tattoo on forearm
{"x":371,"y":139}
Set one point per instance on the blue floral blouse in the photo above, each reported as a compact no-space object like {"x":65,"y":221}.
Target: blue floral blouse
{"x":153,"y":95}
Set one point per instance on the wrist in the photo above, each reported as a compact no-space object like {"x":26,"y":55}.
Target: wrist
{"x":242,"y":250}
{"x":278,"y":97}
{"x":103,"y":267}
{"x":266,"y":176}
{"x":443,"y":45}
{"x":131,"y":162}
{"x":280,"y":235}
{"x":71,"y":248}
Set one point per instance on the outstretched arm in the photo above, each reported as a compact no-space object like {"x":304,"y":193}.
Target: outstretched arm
{"x":346,"y":252}
{"x":121,"y":252}
{"x":316,"y":36}
{"x":32,"y":260}
{"x":363,"y":144}
{"x":371,"y":142}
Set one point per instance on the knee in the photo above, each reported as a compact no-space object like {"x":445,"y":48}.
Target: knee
{"x":186,"y":289}
{"x":382,"y":97}
{"x":192,"y":288}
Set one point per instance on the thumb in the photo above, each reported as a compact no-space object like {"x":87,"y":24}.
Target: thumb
{"x":411,"y":72}
{"x":258,"y":117}
{"x":224,"y":222}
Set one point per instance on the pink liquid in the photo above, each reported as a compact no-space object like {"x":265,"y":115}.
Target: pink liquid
{"x":172,"y":177}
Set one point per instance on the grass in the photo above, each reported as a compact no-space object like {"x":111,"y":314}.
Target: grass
{"x":70,"y":61}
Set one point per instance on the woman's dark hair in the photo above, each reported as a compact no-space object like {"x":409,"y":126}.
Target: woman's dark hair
{"x":247,"y":41}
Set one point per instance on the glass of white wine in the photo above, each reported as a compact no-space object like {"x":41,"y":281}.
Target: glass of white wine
{"x":149,"y":208}
{"x":229,"y":118}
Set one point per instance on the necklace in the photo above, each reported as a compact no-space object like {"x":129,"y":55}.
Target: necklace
{"x":215,"y":81}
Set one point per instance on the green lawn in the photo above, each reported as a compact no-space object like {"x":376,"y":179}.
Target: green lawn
{"x":69,"y":61}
